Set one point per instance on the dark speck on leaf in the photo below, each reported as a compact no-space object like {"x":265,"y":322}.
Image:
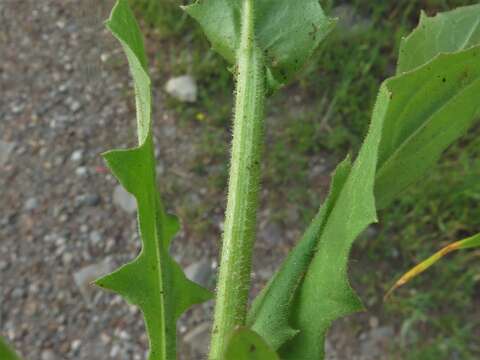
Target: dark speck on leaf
{"x":444,"y":80}
{"x":314,"y":31}
{"x":253,"y":348}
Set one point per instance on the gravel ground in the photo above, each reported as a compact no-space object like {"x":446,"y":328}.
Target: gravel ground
{"x":65,"y":98}
{"x":60,"y":108}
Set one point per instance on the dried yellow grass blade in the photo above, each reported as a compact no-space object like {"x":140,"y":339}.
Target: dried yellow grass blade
{"x":467,"y":243}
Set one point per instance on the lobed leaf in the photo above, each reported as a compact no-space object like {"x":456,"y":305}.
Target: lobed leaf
{"x":153,"y":281}
{"x":270,"y":312}
{"x":468,"y":243}
{"x":325,"y":293}
{"x":417,"y":115}
{"x":286,"y":31}
{"x":245,"y":344}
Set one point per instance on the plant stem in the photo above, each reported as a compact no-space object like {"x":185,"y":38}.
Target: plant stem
{"x":240,"y":221}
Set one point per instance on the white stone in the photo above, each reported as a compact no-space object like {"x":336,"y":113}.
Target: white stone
{"x":85,"y":276}
{"x":124,"y":200}
{"x":48,"y":355}
{"x":95,"y":237}
{"x":183,"y":88}
{"x":31,"y":204}
{"x":67,"y":258}
{"x":5,"y":151}
{"x":77,"y":155}
{"x":75,"y":106}
{"x":81,"y":171}
{"x":76,"y":344}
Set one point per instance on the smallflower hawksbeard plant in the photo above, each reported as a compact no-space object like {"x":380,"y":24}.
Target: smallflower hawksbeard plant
{"x":431,"y":101}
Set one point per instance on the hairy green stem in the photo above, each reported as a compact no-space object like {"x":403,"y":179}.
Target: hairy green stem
{"x":240,"y":221}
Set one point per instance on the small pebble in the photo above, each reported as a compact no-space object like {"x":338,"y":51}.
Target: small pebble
{"x":76,"y":344}
{"x":184,"y":88}
{"x":75,"y":106}
{"x":87,"y":200}
{"x":81,"y":171}
{"x":124,"y":200}
{"x":31,"y":204}
{"x":3,"y":265}
{"x":48,"y":355}
{"x":67,"y":258}
{"x":77,"y":155}
{"x":95,"y":237}
{"x":6,"y":149}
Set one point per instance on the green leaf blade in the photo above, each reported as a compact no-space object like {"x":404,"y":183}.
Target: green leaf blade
{"x":270,"y":312}
{"x":153,"y":281}
{"x":447,"y":32}
{"x":416,"y":116}
{"x":245,"y":344}
{"x":325,"y":293}
{"x":287,"y":32}
{"x":312,"y":289}
{"x":221,"y":23}
{"x":434,"y":100}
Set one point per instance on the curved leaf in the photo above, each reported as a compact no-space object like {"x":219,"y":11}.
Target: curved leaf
{"x":286,"y":31}
{"x":153,"y":281}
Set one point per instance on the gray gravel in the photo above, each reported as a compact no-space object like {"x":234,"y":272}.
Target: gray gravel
{"x":61,"y":106}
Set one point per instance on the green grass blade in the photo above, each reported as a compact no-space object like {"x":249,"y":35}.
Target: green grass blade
{"x":6,"y":353}
{"x":468,"y":243}
{"x":245,"y":344}
{"x":287,"y":32}
{"x":153,"y":281}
